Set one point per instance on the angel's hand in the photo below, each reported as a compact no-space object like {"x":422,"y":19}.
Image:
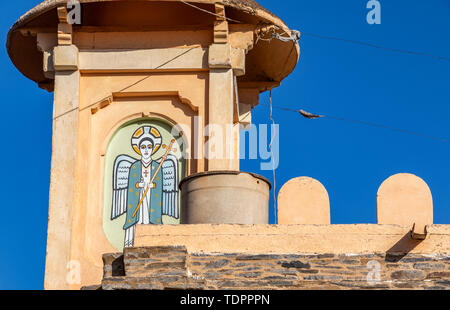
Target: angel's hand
{"x":153,"y":185}
{"x":140,"y":185}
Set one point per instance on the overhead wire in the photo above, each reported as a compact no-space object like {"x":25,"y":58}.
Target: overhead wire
{"x":209,"y":12}
{"x":397,"y":50}
{"x":295,"y":36}
{"x":275,"y":206}
{"x":129,"y":86}
{"x":309,"y":115}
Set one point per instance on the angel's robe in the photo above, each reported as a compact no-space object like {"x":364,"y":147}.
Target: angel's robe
{"x":134,"y":195}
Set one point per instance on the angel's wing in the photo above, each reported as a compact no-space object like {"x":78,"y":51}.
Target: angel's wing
{"x":121,"y":173}
{"x":170,"y":187}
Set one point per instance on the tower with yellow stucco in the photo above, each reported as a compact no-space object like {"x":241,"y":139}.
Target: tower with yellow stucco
{"x":150,"y":97}
{"x":117,"y":67}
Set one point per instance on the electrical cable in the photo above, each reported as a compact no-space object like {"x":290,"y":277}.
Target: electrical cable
{"x":129,"y":86}
{"x":275,"y":206}
{"x":372,"y":124}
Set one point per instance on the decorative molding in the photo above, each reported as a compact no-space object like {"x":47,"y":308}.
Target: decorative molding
{"x":150,"y":94}
{"x":220,"y":25}
{"x":242,"y":36}
{"x":64,"y":28}
{"x":101,"y":105}
{"x":136,"y":116}
{"x":262,"y":86}
{"x":144,"y":60}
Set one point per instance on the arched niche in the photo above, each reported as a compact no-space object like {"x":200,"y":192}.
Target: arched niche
{"x":120,"y":182}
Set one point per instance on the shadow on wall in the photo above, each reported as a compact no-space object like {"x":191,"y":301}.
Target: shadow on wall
{"x":399,"y":250}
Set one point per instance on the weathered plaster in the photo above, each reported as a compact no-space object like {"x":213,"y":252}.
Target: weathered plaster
{"x":285,"y":239}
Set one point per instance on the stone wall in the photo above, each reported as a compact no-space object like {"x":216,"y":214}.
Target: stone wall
{"x":175,"y":268}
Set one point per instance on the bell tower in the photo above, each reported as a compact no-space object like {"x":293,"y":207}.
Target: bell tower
{"x":149,"y":97}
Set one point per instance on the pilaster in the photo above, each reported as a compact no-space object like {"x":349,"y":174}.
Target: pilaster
{"x":64,"y":146}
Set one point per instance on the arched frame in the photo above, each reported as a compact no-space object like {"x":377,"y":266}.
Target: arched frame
{"x":98,"y":128}
{"x":120,"y":144}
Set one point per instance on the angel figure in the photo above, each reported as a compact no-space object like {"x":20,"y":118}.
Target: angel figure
{"x":145,"y":189}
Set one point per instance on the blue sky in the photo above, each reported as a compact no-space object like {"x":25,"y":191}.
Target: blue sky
{"x":332,"y":78}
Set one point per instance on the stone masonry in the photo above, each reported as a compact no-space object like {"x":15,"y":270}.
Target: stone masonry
{"x":162,"y":268}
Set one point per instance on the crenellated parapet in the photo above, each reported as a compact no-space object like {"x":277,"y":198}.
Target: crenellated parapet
{"x":403,"y":199}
